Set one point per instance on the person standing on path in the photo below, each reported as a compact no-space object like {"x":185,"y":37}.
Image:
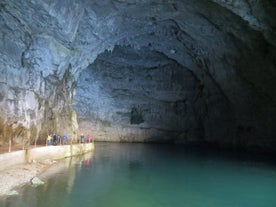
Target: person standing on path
{"x":82,"y":138}
{"x":49,"y":139}
{"x":64,"y":139}
{"x":88,"y":138}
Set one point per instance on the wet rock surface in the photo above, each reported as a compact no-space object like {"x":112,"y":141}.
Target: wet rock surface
{"x":36,"y":181}
{"x":175,"y":71}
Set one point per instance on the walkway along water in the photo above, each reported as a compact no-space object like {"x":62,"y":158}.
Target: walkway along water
{"x":41,"y":153}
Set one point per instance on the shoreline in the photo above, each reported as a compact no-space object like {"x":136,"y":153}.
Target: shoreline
{"x":17,"y":176}
{"x":19,"y":167}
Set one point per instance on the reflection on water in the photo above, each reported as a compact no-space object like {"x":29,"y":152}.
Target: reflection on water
{"x":121,"y":175}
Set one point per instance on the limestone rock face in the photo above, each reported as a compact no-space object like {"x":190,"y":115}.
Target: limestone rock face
{"x":167,"y":71}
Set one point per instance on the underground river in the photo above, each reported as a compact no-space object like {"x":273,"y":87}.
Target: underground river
{"x":144,"y":175}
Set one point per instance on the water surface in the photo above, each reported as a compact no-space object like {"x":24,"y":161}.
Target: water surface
{"x":140,"y":175}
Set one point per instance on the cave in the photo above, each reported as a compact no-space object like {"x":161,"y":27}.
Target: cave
{"x":178,"y":71}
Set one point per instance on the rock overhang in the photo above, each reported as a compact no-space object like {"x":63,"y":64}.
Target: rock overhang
{"x":222,"y":45}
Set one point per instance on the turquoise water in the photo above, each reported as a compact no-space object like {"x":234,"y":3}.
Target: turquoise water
{"x":140,"y":175}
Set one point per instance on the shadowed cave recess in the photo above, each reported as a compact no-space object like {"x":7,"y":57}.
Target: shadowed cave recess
{"x":175,"y":71}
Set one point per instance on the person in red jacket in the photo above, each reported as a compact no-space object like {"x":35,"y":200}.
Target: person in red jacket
{"x":88,"y":138}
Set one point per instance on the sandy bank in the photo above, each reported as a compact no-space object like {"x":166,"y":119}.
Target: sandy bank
{"x":21,"y":174}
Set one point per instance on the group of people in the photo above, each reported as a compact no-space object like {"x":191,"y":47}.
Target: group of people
{"x":54,"y":139}
{"x":86,"y":139}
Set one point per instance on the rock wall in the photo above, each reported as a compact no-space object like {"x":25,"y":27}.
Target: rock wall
{"x":36,"y":76}
{"x":146,"y":70}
